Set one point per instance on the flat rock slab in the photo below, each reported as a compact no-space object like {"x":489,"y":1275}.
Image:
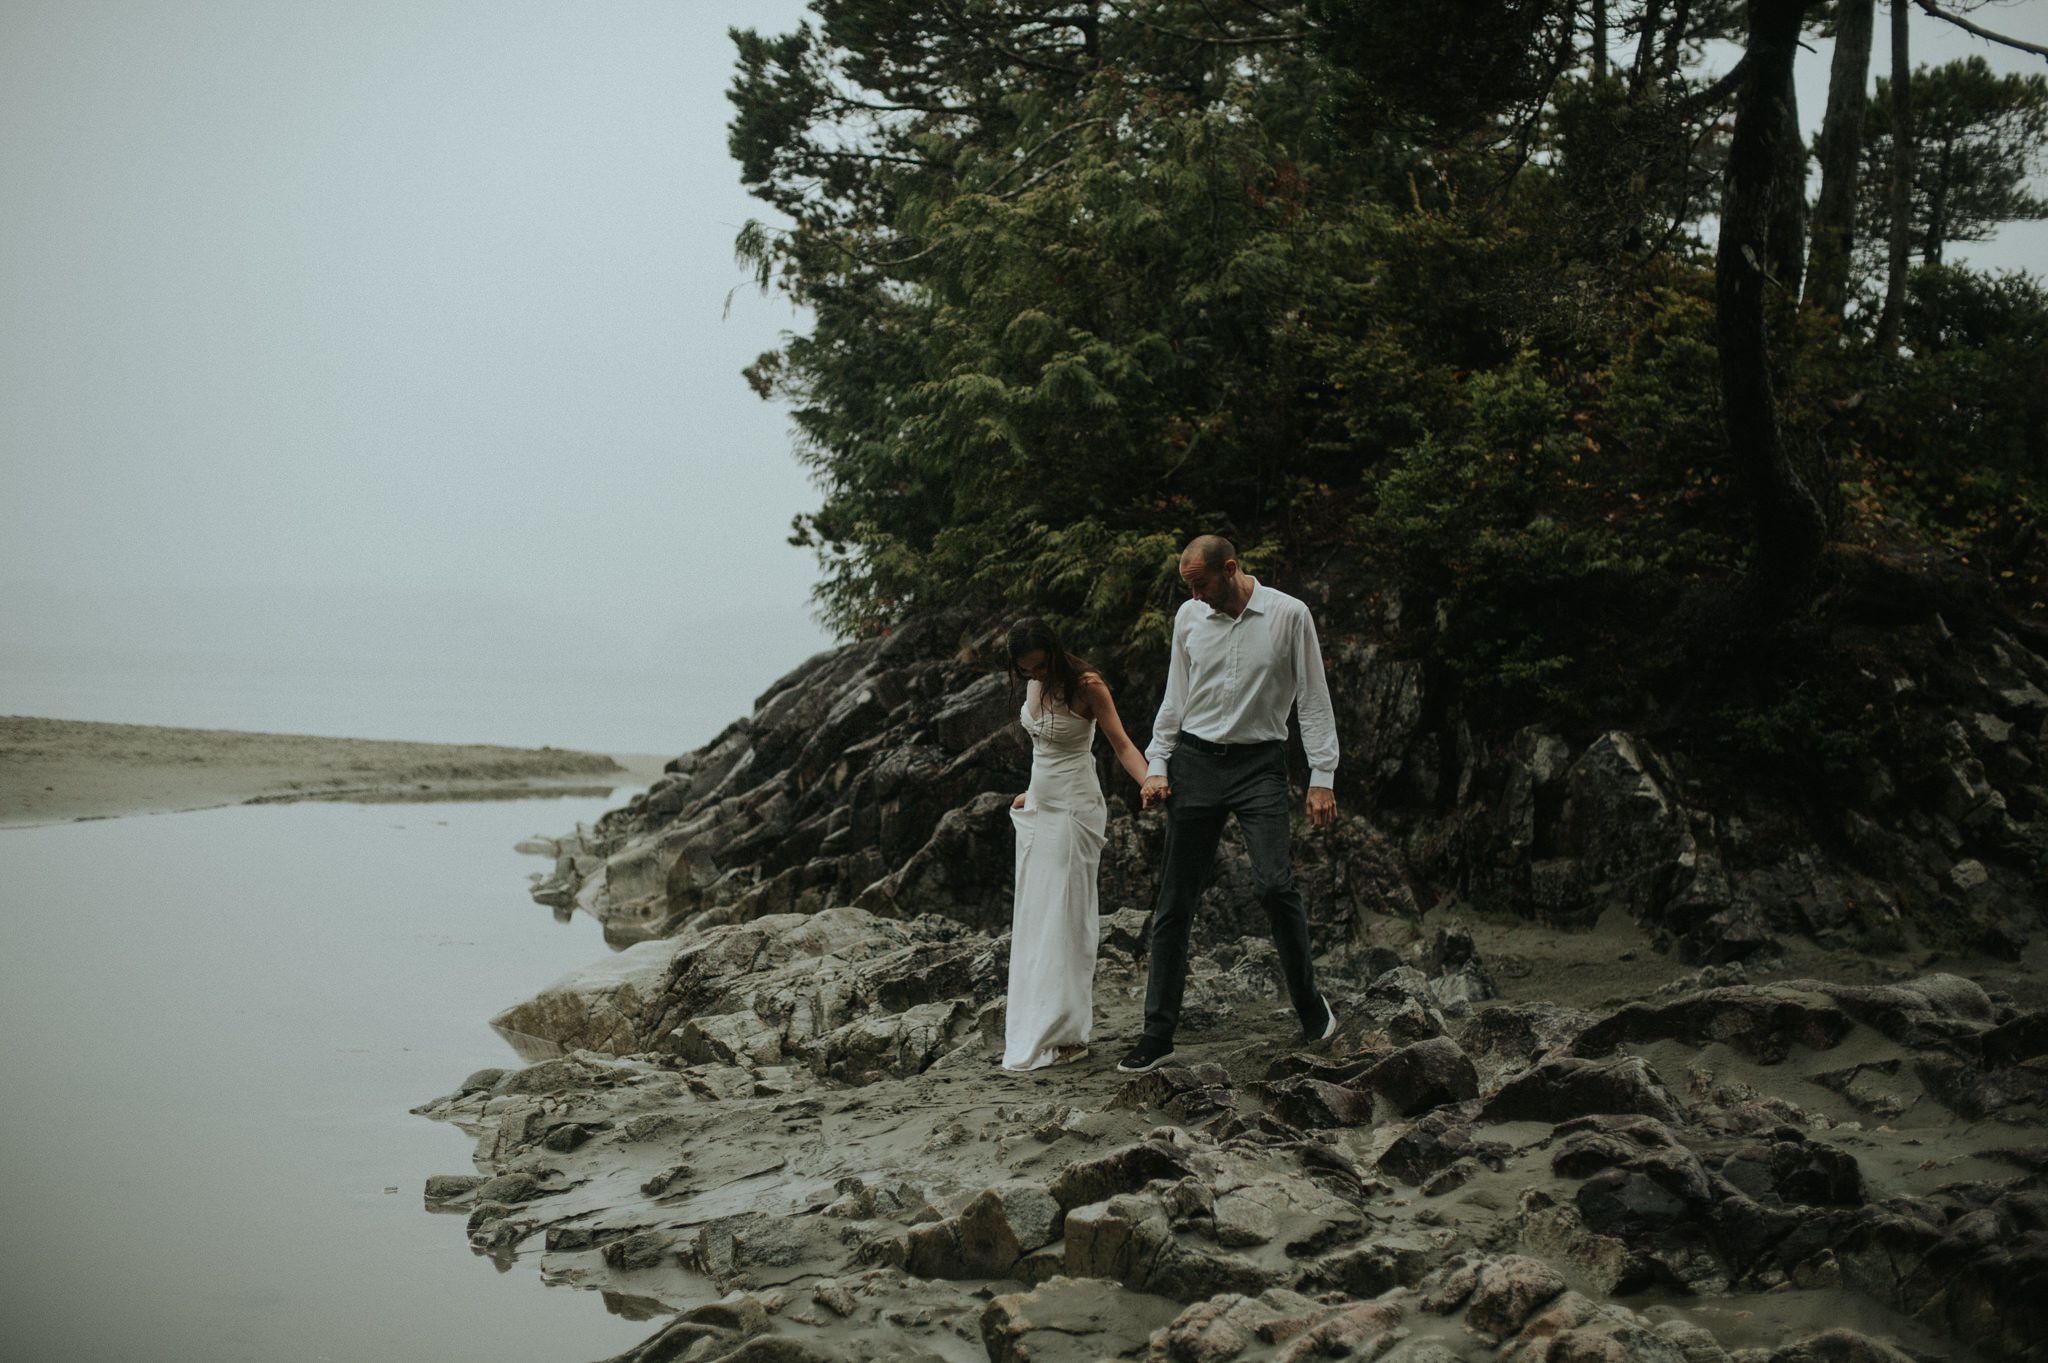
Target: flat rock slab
{"x":1071,"y":1320}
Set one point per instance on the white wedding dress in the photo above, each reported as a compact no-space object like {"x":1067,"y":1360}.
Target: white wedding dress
{"x":1054,"y":923}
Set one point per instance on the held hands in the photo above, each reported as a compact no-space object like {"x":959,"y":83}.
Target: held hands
{"x":1322,"y":802}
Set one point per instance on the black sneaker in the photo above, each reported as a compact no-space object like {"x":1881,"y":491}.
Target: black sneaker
{"x":1149,"y":1054}
{"x":1329,"y":1027}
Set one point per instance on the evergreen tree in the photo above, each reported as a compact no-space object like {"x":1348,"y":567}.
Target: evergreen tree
{"x":1978,"y":141}
{"x":1404,"y":291}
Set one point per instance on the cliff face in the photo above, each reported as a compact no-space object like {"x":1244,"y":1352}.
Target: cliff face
{"x":877,"y":775}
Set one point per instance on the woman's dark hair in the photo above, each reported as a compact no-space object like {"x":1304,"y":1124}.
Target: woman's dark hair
{"x":1063,"y":673}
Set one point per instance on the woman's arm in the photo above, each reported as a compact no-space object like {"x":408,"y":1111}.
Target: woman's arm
{"x":1030,"y":695}
{"x":1095,"y":703}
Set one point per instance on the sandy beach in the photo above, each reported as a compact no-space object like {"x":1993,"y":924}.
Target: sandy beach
{"x":56,"y":770}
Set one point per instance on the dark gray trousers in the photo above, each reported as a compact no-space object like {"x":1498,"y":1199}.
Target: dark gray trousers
{"x":1207,"y":789}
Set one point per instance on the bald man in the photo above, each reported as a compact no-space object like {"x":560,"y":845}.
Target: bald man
{"x":1243,"y":656}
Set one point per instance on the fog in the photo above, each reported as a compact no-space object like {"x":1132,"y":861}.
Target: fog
{"x":397,"y":333}
{"x":400,"y":340}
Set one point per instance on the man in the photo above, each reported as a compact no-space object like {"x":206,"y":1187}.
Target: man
{"x":1243,"y":656}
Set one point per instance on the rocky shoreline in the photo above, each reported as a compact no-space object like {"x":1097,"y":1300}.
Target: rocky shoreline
{"x":1624,"y":1073}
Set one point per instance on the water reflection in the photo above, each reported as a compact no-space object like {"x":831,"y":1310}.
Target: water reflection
{"x":627,"y":898}
{"x":634,"y":1308}
{"x":530,"y":1049}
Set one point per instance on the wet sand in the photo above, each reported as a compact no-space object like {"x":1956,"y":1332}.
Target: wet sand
{"x":57,"y":771}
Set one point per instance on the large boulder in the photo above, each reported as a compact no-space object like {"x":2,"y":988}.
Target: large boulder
{"x":1311,"y":1103}
{"x":597,"y":1007}
{"x":1183,"y":1093}
{"x":1434,"y":1144}
{"x":964,"y":871}
{"x":1425,"y":1075}
{"x":1508,"y":1290}
{"x":1122,"y":1170}
{"x":1507,"y":1038}
{"x":1758,"y":1023}
{"x":1565,"y":1087}
{"x":891,"y":1044}
{"x":998,"y":1228}
{"x":798,"y":972}
{"x":1132,"y":1238}
{"x":1623,"y":830}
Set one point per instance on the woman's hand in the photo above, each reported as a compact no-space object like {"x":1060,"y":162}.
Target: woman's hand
{"x":1017,"y":803}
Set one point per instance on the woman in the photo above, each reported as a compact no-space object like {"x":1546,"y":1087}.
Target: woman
{"x":1059,"y":822}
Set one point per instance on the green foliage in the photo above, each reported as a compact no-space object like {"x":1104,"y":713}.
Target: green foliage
{"x":1636,"y":171}
{"x":1549,"y":515}
{"x":1450,"y":64}
{"x":1084,"y":280}
{"x":1800,"y":730}
{"x":1955,"y":442}
{"x":1978,"y":140}
{"x":1093,"y":362}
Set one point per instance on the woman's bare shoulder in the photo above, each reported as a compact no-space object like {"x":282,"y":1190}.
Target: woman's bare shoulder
{"x":1092,"y":694}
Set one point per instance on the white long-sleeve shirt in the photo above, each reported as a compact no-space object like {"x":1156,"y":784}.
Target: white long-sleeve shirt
{"x":1233,"y":680}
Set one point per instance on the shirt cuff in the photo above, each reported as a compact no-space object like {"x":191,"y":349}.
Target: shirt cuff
{"x":1156,"y":767}
{"x":1325,"y":780}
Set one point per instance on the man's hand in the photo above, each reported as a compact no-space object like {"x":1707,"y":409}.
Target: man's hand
{"x":1322,"y":807}
{"x":1154,"y":791}
{"x":1017,"y":803}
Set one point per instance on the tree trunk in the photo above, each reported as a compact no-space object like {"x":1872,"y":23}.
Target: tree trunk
{"x":1788,"y":205}
{"x":1937,"y":205}
{"x":1841,"y":152}
{"x":1674,"y":43}
{"x":1599,"y":39}
{"x":1789,"y":527}
{"x":1901,"y":241}
{"x":1646,"y":43}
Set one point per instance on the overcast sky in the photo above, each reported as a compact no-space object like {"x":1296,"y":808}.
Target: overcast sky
{"x":400,"y":327}
{"x":1930,"y":42}
{"x":391,"y":301}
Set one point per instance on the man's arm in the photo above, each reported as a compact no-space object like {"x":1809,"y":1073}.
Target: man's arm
{"x":1166,"y":724}
{"x":1318,"y":722}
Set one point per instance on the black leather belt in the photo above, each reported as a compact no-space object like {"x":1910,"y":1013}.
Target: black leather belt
{"x":1225,"y":749}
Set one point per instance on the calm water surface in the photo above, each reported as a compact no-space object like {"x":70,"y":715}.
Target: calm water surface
{"x":215,"y":1023}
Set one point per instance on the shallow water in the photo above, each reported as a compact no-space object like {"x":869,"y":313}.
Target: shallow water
{"x":215,"y":1025}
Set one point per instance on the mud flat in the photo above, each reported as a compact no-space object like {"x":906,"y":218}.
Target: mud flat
{"x":792,"y":1134}
{"x":54,"y":771}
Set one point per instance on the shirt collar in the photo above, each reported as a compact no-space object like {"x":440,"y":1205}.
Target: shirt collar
{"x":1252,"y":605}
